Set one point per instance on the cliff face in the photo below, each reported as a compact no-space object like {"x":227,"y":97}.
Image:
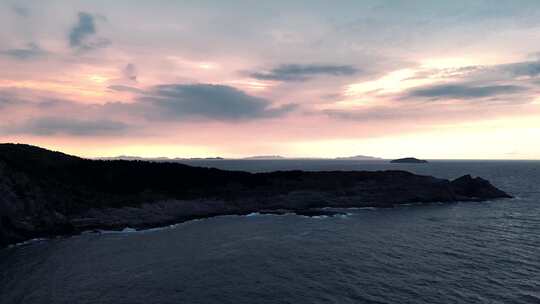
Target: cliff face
{"x":44,"y":193}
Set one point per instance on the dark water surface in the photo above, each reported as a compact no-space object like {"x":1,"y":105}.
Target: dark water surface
{"x":455,"y":253}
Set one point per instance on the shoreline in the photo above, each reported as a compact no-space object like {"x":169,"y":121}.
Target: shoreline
{"x":341,"y":213}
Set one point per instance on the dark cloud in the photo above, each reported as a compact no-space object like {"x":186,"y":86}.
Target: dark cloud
{"x":130,"y":72}
{"x":68,"y":126}
{"x":11,"y":97}
{"x":208,"y":101}
{"x":31,"y":51}
{"x":21,"y":11}
{"x":462,"y":91}
{"x":4,"y":102}
{"x":82,"y":35}
{"x":527,"y":68}
{"x":299,"y":72}
{"x":124,"y":88}
{"x":84,"y":28}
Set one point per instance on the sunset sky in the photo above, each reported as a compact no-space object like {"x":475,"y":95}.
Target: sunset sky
{"x":431,"y":79}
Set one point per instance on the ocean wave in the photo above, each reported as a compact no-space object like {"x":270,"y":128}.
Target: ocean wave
{"x":362,"y":208}
{"x":315,"y":216}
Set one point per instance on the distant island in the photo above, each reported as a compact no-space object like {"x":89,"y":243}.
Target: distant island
{"x":256,"y":157}
{"x":45,"y":193}
{"x":262,"y":157}
{"x":157,"y":159}
{"x":409,"y":160}
{"x":358,"y":157}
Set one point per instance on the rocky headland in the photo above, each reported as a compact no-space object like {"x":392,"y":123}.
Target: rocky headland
{"x":45,"y":193}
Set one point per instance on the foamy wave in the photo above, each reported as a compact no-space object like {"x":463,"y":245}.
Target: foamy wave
{"x":258,"y":214}
{"x":123,"y":231}
{"x":341,"y":216}
{"x":32,"y":241}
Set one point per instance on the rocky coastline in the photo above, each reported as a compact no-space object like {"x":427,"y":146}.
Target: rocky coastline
{"x":45,"y":193}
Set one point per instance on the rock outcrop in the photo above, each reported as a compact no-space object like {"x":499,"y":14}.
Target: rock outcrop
{"x":45,"y":193}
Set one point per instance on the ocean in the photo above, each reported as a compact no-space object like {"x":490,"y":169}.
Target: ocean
{"x":480,"y":252}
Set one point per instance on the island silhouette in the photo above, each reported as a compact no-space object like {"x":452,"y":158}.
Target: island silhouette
{"x":409,"y":160}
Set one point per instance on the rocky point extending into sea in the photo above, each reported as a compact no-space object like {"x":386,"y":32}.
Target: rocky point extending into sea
{"x":45,"y":193}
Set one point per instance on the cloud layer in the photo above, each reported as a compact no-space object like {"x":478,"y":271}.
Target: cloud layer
{"x":57,"y":125}
{"x":299,"y":72}
{"x":168,"y":103}
{"x":30,"y":51}
{"x":288,"y":74}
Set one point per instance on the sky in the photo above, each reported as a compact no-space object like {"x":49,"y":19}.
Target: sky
{"x":430,"y":79}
